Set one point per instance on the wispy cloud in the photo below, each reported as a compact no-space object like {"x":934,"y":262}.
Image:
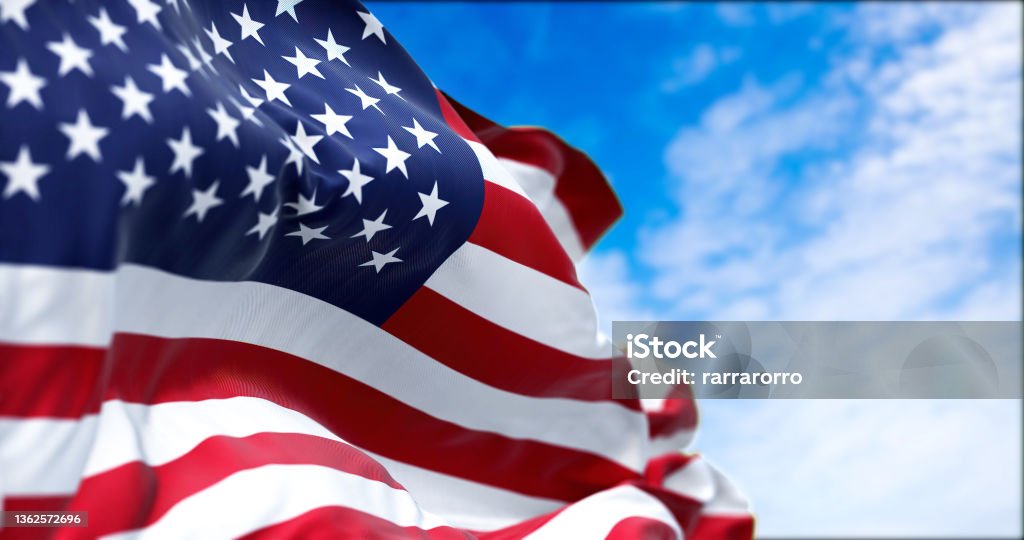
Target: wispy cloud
{"x":887,"y":188}
{"x":695,"y":66}
{"x":871,"y":468}
{"x":831,"y":199}
{"x":744,"y":14}
{"x":609,"y":273}
{"x":735,"y":13}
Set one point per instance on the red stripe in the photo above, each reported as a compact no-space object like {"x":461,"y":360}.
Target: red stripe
{"x":626,"y":529}
{"x":686,"y":510}
{"x":678,"y":413}
{"x":335,"y":522}
{"x":475,"y":122}
{"x":57,"y":503}
{"x":24,"y":503}
{"x":30,"y":386}
{"x":460,"y":339}
{"x":192,"y":369}
{"x":511,"y":226}
{"x":720,"y":527}
{"x":582,"y":188}
{"x":641,"y":528}
{"x":152,"y":370}
{"x":579,"y":184}
{"x":142,"y":494}
{"x":519,"y":530}
{"x":452,"y":118}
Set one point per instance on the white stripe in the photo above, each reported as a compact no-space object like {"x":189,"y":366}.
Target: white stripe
{"x":520,"y":299}
{"x":700,"y":480}
{"x":539,"y":185}
{"x":43,"y":456}
{"x":674,"y":442}
{"x":44,"y":305}
{"x":160,"y":433}
{"x":694,"y":480}
{"x":464,"y":503}
{"x":493,"y":170}
{"x":595,"y":516}
{"x":252,"y":499}
{"x":47,"y":456}
{"x":157,"y":303}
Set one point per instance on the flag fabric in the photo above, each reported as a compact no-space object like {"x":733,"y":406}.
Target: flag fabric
{"x":259,"y":277}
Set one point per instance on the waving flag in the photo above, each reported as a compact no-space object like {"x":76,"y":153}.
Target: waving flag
{"x":258,"y":277}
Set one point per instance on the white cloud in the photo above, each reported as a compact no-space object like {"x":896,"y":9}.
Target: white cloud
{"x":931,"y":177}
{"x":942,"y":468}
{"x":898,"y":23}
{"x":701,"y":61}
{"x":905,"y":204}
{"x":735,"y":14}
{"x":609,"y":273}
{"x":743,"y":14}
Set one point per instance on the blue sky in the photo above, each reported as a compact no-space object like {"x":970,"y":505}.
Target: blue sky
{"x":788,"y":161}
{"x":727,"y":130}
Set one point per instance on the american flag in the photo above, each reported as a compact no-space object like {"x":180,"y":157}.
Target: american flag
{"x":259,"y":277}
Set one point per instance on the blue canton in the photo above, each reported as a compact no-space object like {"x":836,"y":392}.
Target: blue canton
{"x":288,"y":142}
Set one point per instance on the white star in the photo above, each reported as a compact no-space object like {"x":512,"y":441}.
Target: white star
{"x":135,"y":183}
{"x":109,"y":32}
{"x":204,"y":56}
{"x":287,"y":6}
{"x":250,"y":28}
{"x":259,"y":178}
{"x":85,"y":137}
{"x":303,"y":206}
{"x":333,"y":49}
{"x":254,"y":101}
{"x":371,"y":228}
{"x":177,"y":7}
{"x":14,"y":10}
{"x":303,"y":64}
{"x":422,"y":136}
{"x":431,"y":204}
{"x":373,"y":26}
{"x":306,"y":142}
{"x":227,"y":125}
{"x":220,"y":45}
{"x":134,"y":100}
{"x":380,"y":259}
{"x":274,"y":89}
{"x":263,"y":224}
{"x":248,"y":112}
{"x":193,"y":62}
{"x":146,"y":11}
{"x":356,"y":181}
{"x":23,"y":86}
{"x":308,"y":233}
{"x":185,"y":153}
{"x":171,"y":77}
{"x":333,"y":123}
{"x":294,"y":154}
{"x":396,"y":158}
{"x":71,"y":56}
{"x":365,"y":100}
{"x":203,"y":201}
{"x":23,"y":175}
{"x":389,"y":89}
